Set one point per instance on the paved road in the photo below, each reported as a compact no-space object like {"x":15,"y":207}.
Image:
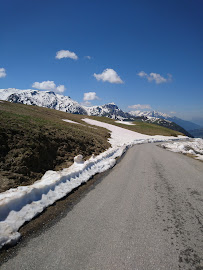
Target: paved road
{"x":146,"y":214}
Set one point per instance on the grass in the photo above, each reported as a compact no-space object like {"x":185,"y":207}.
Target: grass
{"x":35,"y":139}
{"x":142,"y":127}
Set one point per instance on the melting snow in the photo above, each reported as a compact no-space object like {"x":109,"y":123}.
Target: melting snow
{"x":193,"y":147}
{"x":125,"y":123}
{"x":21,"y":204}
{"x":121,"y":136}
{"x":72,"y":122}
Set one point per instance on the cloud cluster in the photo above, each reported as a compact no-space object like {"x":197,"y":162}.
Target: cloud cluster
{"x":49,"y":85}
{"x":66,"y":54}
{"x":90,"y":96}
{"x":139,"y":106}
{"x":88,"y":57}
{"x":2,"y":72}
{"x":108,"y":75}
{"x":155,"y":77}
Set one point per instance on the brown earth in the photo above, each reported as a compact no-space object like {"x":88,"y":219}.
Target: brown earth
{"x":34,"y":140}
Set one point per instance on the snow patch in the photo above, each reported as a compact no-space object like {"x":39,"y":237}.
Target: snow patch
{"x":193,"y":147}
{"x":121,"y":136}
{"x":72,"y":122}
{"x":125,"y":123}
{"x":78,"y":159}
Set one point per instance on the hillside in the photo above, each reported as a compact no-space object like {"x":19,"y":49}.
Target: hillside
{"x":141,"y":127}
{"x":165,"y":123}
{"x":35,"y":139}
{"x":50,"y":99}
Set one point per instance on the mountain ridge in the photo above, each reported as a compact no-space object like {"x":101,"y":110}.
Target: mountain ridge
{"x":59,"y":102}
{"x":52,"y":100}
{"x":187,"y":125}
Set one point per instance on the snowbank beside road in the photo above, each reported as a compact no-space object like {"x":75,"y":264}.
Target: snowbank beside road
{"x":23,"y":203}
{"x":193,"y":147}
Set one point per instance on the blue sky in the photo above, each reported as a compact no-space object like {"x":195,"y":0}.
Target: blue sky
{"x":142,"y":52}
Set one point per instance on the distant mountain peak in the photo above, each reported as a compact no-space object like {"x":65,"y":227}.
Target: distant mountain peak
{"x":59,"y":102}
{"x":50,"y":99}
{"x":187,"y":125}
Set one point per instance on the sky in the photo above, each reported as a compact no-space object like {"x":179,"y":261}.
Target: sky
{"x":139,"y":54}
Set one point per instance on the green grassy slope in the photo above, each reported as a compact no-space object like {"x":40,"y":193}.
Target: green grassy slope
{"x":35,"y":139}
{"x":142,"y":127}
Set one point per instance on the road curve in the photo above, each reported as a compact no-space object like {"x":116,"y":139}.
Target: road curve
{"x":146,"y":214}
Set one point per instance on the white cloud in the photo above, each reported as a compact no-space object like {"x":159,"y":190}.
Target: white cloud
{"x":2,"y":72}
{"x":49,"y":85}
{"x":139,"y":106}
{"x":90,"y":96}
{"x":46,"y":85}
{"x":108,"y":75}
{"x":60,"y":88}
{"x":142,"y":74}
{"x":66,"y":54}
{"x":155,"y":77}
{"x":88,"y":57}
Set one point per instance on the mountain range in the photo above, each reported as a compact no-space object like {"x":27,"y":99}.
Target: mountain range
{"x":50,"y":99}
{"x":187,"y":125}
{"x":55,"y":101}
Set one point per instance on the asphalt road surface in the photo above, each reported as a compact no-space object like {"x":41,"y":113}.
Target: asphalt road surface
{"x":146,"y":214}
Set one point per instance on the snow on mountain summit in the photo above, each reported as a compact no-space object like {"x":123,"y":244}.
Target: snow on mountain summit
{"x":55,"y":101}
{"x":150,"y":114}
{"x":110,"y":110}
{"x":46,"y":99}
{"x":50,"y":99}
{"x":187,"y":125}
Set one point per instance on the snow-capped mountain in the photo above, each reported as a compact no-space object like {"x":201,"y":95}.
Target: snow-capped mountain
{"x":150,"y":114}
{"x":187,"y":125}
{"x":55,"y":101}
{"x":109,"y":110}
{"x":46,"y":99}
